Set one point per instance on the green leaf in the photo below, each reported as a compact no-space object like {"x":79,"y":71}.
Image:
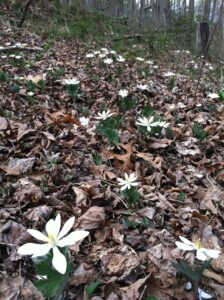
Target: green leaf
{"x":151,"y":298}
{"x":199,"y":132}
{"x":181,"y":196}
{"x":192,"y":272}
{"x":132,"y":196}
{"x":90,"y":289}
{"x":221,"y":95}
{"x":53,"y":286}
{"x":127,"y":103}
{"x":130,"y":224}
{"x":147,"y":111}
{"x":15,"y":88}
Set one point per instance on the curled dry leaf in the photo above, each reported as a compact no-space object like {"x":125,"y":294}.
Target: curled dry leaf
{"x":17,"y":166}
{"x":3,"y":123}
{"x":18,"y":288}
{"x":212,"y":199}
{"x":82,"y":275}
{"x":120,"y":261}
{"x":38,"y":216}
{"x":92,"y":219}
{"x":133,"y":291}
{"x":28,"y":191}
{"x":81,"y":196}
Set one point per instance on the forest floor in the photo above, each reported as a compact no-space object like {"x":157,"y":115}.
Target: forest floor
{"x":52,"y":164}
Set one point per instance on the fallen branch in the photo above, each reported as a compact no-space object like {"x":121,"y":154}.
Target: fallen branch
{"x":17,"y":47}
{"x":135,"y":36}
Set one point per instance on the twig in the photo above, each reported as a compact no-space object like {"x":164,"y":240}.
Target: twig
{"x":17,"y":47}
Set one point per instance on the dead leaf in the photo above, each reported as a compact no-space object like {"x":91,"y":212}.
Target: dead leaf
{"x":3,"y":123}
{"x":132,"y":291}
{"x":92,"y":219}
{"x":17,"y":166}
{"x":82,"y":275}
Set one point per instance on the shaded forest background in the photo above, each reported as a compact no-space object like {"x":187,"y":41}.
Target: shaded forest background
{"x":159,"y":25}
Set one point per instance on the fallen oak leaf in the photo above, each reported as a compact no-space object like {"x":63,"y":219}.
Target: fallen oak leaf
{"x":92,"y":219}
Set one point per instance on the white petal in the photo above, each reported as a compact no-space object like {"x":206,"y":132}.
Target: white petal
{"x":59,"y":261}
{"x":134,"y":183}
{"x":186,"y":241}
{"x":124,"y":187}
{"x":126,"y":177}
{"x":121,"y":181}
{"x":66,"y":228}
{"x":203,"y":295}
{"x":184,"y":247}
{"x":132,"y":177}
{"x":200,"y":255}
{"x":38,"y":235}
{"x":53,"y":226}
{"x":72,"y":238}
{"x":211,"y":253}
{"x":34,"y":249}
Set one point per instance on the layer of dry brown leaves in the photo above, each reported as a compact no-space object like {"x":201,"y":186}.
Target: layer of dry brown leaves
{"x":130,"y":263}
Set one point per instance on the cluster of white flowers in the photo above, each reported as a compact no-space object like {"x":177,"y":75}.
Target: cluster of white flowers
{"x":140,"y":58}
{"x":213,"y":96}
{"x":72,"y":81}
{"x":103,"y":53}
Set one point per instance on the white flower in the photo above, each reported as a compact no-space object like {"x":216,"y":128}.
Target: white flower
{"x":18,"y":57}
{"x":3,"y":56}
{"x":12,"y":55}
{"x":112,"y":52}
{"x":156,"y":67}
{"x":89,"y":55}
{"x":163,"y":124}
{"x":213,"y":96}
{"x":108,"y":61}
{"x":104,"y":115}
{"x":169,"y":74}
{"x":147,"y":122}
{"x":128,"y":181}
{"x":54,"y":239}
{"x":84,"y":121}
{"x":73,"y":81}
{"x":203,"y":295}
{"x":30,"y":94}
{"x":102,"y":55}
{"x":142,"y":87}
{"x":149,"y":62}
{"x":123,"y":93}
{"x":120,"y":58}
{"x":104,"y":50}
{"x":7,"y":44}
{"x":140,"y":58}
{"x":201,"y":253}
{"x":96,"y":52}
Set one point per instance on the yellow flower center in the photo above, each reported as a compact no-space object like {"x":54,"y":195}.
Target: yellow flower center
{"x":198,"y":244}
{"x":52,"y":239}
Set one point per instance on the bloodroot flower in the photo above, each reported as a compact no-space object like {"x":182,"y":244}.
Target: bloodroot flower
{"x":104,"y":115}
{"x":54,"y":239}
{"x":201,"y":253}
{"x":128,"y":181}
